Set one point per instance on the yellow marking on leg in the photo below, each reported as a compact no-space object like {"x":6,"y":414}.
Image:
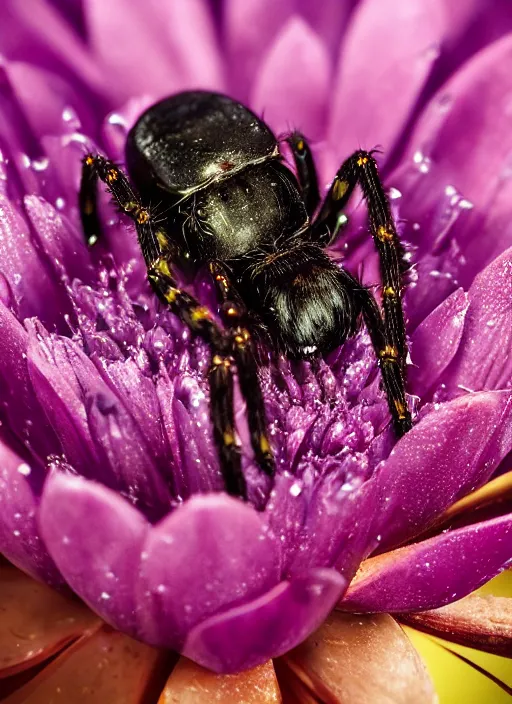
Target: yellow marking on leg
{"x":130,"y":206}
{"x":228,"y":438}
{"x":242,"y":337}
{"x":339,"y":189}
{"x":142,"y":215}
{"x":362,"y":160}
{"x":111,"y":175}
{"x":219,"y":361}
{"x":200,"y":313}
{"x":384,"y":235}
{"x":161,"y":266}
{"x":162,"y":239}
{"x":171,"y":294}
{"x":264,"y":445}
{"x":389,"y":353}
{"x":400,"y":409}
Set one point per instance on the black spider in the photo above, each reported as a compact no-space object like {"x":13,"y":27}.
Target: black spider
{"x":232,"y":203}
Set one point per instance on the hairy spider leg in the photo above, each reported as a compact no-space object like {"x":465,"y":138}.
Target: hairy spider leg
{"x":154,"y":244}
{"x":306,"y":171}
{"x":234,"y":315}
{"x":361,"y":169}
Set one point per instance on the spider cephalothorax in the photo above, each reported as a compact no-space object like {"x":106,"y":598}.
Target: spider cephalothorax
{"x":231,"y":203}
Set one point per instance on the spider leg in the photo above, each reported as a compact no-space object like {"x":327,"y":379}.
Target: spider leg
{"x":156,"y":250}
{"x":392,"y":374}
{"x":235,"y":316}
{"x":361,"y":169}
{"x":306,"y":171}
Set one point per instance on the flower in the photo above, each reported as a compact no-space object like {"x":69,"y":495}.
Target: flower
{"x":110,"y":483}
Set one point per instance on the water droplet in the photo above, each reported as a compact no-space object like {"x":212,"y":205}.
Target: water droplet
{"x":24,"y":469}
{"x":295,"y":489}
{"x":105,"y":596}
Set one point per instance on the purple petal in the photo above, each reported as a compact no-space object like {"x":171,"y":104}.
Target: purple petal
{"x":477,"y":96}
{"x":33,"y":291}
{"x":62,"y":243}
{"x":450,"y":452}
{"x":128,"y":455}
{"x":434,"y":572}
{"x":297,"y":59}
{"x":17,"y":389}
{"x":266,"y":627}
{"x":435,"y":342}
{"x":95,"y":538}
{"x":211,"y":554}
{"x":404,"y":39}
{"x":19,"y":533}
{"x":250,"y":29}
{"x":156,"y":35}
{"x":484,"y":359}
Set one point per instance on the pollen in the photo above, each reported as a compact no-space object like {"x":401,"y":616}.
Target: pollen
{"x":111,"y":175}
{"x":300,"y":145}
{"x":89,"y":160}
{"x":232,"y":311}
{"x":390,"y":292}
{"x":362,"y":160}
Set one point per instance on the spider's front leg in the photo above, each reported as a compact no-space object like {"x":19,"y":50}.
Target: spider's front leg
{"x":153,"y":241}
{"x":390,"y":342}
{"x":235,"y":318}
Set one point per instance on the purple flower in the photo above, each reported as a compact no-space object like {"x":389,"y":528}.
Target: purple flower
{"x":110,"y":481}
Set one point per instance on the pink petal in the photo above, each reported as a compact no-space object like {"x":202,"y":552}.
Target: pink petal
{"x":250,"y":30}
{"x":154,"y":48}
{"x":450,"y":452}
{"x":433,"y":572}
{"x":373,"y":98}
{"x":292,"y":87}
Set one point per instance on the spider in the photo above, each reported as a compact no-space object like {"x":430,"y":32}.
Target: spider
{"x":231,"y":203}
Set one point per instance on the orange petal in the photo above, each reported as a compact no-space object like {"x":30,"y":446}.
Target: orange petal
{"x":361,"y":659}
{"x":104,"y":666}
{"x":35,"y":621}
{"x":192,"y":684}
{"x":483,"y":622}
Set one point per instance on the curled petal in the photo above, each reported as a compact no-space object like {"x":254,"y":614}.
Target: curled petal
{"x":103,"y":666}
{"x":36,"y":621}
{"x":481,"y":622}
{"x":212,"y":553}
{"x":267,"y":627}
{"x":434,"y":572}
{"x":361,"y":659}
